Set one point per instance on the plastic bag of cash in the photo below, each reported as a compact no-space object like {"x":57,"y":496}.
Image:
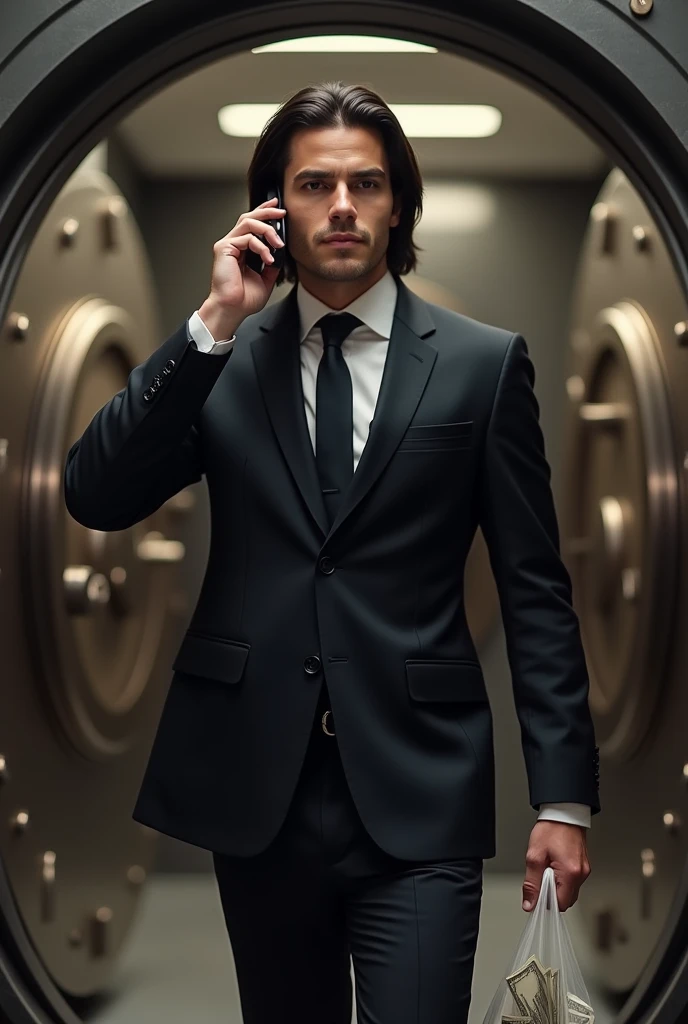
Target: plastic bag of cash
{"x":543,"y":984}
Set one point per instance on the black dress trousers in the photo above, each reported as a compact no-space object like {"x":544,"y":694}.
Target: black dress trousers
{"x":324,"y":891}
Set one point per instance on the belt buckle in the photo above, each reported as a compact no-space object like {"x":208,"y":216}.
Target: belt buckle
{"x":323,"y":722}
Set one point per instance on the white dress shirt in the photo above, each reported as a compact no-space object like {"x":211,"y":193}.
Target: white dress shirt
{"x":364,"y":351}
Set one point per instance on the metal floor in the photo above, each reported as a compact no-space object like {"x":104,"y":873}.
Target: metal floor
{"x":178,"y":965}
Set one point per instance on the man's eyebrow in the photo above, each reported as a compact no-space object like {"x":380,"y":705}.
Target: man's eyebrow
{"x":312,"y":172}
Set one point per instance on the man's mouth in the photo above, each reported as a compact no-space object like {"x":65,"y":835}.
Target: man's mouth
{"x":343,"y":242}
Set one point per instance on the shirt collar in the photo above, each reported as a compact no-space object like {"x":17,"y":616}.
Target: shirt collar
{"x":375,"y":307}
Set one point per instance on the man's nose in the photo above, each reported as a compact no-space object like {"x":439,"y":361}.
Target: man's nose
{"x":342,"y":199}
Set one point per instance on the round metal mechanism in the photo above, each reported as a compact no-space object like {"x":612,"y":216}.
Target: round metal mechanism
{"x":623,"y":520}
{"x":99,"y":608}
{"x":623,"y":537}
{"x":88,"y":640}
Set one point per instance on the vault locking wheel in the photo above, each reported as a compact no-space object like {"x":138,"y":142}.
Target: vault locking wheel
{"x":623,"y":534}
{"x":85,"y":646}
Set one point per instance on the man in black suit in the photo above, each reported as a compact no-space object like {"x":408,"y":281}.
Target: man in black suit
{"x":327,"y":732}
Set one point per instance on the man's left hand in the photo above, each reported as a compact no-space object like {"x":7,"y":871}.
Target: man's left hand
{"x":562,"y":847}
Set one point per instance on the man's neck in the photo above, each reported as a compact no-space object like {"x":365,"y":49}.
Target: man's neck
{"x":339,"y":294}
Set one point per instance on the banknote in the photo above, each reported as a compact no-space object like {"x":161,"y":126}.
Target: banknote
{"x":529,"y":988}
{"x":535,"y":991}
{"x":554,"y":993}
{"x":552,"y":980}
{"x":575,"y":1004}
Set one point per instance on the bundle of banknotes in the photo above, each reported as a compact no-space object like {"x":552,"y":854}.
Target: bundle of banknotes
{"x":536,"y":993}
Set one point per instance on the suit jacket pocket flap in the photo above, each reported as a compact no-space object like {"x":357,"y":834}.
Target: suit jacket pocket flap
{"x":428,"y":431}
{"x":458,"y":680}
{"x":212,"y":657}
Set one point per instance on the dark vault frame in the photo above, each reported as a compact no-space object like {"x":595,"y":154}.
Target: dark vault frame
{"x":71,"y":69}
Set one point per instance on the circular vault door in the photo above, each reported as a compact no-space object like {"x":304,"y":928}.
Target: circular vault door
{"x":86,"y":634}
{"x":623,"y":535}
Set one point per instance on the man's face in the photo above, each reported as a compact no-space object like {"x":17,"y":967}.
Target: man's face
{"x":336,"y":198}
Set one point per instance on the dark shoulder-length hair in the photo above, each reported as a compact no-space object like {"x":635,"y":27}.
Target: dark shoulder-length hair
{"x":337,"y":105}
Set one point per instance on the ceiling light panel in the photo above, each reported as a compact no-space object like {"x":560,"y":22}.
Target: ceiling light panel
{"x":418,"y":120}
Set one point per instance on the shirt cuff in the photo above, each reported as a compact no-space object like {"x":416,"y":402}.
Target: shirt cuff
{"x":570,"y":814}
{"x":204,"y":339}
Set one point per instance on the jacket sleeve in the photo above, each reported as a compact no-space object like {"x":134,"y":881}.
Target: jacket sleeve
{"x":548,"y":669}
{"x":143,"y":446}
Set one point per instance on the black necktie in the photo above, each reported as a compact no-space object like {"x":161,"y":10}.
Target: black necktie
{"x":334,"y":426}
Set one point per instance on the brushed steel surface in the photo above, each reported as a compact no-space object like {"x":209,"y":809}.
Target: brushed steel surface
{"x":623,"y":537}
{"x":91,"y":629}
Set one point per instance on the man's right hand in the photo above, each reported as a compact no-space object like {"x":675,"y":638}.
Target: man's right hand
{"x":236,"y":291}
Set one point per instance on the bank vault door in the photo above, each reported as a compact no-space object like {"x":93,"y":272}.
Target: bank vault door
{"x":623,"y":536}
{"x":87,"y":638}
{"x":90,"y":620}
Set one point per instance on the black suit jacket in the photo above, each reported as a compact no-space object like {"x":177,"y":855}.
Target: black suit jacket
{"x":374,"y":606}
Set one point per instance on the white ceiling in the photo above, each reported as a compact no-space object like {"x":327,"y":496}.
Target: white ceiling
{"x":176,"y":134}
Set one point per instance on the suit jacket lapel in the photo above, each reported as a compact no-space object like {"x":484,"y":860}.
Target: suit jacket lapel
{"x":408,"y":366}
{"x":276,"y":355}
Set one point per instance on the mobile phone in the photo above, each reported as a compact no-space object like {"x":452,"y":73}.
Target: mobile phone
{"x":253,"y":259}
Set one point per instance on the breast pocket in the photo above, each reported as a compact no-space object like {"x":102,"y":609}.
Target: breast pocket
{"x":435,"y":437}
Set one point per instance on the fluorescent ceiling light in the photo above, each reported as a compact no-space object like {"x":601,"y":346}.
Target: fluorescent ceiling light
{"x":447,"y":120}
{"x":418,"y":120}
{"x":344,"y":44}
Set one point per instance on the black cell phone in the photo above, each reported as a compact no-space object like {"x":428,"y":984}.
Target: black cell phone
{"x":253,"y":259}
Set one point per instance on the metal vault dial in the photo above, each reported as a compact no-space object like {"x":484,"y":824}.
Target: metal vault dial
{"x":84,"y":588}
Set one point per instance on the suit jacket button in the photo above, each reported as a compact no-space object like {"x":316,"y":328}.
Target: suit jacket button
{"x":312,"y":665}
{"x":326,"y":565}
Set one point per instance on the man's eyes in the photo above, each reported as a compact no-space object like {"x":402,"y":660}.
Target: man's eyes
{"x":365,"y":181}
